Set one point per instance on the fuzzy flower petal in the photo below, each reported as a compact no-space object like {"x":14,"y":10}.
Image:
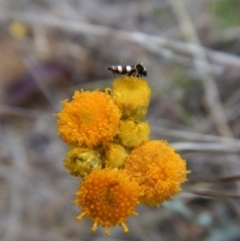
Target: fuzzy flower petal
{"x":89,"y":119}
{"x":158,"y":169}
{"x":107,"y":197}
{"x":132,"y":96}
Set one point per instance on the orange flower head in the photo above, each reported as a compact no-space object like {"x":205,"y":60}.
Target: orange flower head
{"x":108,"y":197}
{"x":132,"y":96}
{"x":81,"y":161}
{"x":89,"y":119}
{"x":158,"y":170}
{"x":133,"y":134}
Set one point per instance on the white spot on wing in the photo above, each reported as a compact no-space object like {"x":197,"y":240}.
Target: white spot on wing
{"x":128,"y":68}
{"x":119,"y":67}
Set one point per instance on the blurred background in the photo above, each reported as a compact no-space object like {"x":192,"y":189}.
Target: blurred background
{"x":49,"y":48}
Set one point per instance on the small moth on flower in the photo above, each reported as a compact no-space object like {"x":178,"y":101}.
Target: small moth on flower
{"x":130,"y":70}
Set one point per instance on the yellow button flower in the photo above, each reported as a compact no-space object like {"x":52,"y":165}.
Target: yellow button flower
{"x":158,"y":169}
{"x":89,"y":119}
{"x":81,"y":161}
{"x":133,"y":134}
{"x":132,"y":96}
{"x":18,"y":30}
{"x":115,"y":155}
{"x":107,"y":197}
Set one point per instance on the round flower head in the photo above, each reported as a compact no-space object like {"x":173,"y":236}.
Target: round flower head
{"x":158,"y":169}
{"x":132,"y":96}
{"x":133,"y":134}
{"x":115,"y":155}
{"x":89,"y":119}
{"x":107,"y":197}
{"x":82,"y":161}
{"x":18,"y":30}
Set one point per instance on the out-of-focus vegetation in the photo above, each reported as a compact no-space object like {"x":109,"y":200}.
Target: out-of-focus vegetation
{"x":226,"y":12}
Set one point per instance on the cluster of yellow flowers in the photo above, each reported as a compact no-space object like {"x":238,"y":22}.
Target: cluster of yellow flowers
{"x":110,"y":149}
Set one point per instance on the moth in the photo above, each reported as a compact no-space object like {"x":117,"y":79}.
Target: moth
{"x":130,"y":70}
